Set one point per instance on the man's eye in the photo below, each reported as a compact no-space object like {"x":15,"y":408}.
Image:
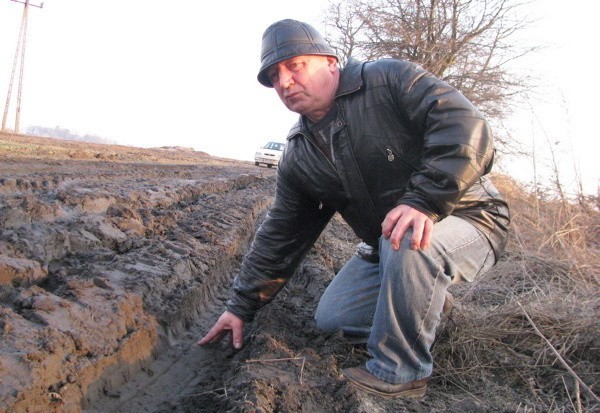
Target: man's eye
{"x":295,"y":66}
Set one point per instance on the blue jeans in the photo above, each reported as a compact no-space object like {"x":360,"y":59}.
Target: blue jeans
{"x":395,"y":305}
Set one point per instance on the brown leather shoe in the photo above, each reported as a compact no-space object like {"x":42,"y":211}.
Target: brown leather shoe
{"x":361,"y":378}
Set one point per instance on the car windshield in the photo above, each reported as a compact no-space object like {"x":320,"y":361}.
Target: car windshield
{"x":276,"y":146}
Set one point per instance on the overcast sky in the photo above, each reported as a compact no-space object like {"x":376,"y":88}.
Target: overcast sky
{"x":149,"y":73}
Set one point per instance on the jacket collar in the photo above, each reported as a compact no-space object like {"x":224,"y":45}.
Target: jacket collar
{"x":350,"y":81}
{"x":350,"y":77}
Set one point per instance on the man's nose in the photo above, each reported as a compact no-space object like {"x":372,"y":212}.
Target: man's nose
{"x":285,"y":78}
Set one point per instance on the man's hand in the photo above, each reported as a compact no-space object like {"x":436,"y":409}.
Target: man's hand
{"x":400,"y":219}
{"x":227,"y":323}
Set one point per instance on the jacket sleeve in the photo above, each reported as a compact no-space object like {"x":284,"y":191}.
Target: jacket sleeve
{"x":457,"y":147}
{"x":290,"y":228}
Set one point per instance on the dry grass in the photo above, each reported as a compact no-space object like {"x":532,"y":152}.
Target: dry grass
{"x":532,"y":325}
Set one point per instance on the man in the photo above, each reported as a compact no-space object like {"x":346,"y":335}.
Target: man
{"x":403,"y":157}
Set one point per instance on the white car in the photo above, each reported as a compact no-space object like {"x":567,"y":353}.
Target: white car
{"x":269,"y":154}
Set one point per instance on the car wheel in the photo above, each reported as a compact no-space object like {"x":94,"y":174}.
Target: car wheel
{"x":256,"y":163}
{"x":269,"y":165}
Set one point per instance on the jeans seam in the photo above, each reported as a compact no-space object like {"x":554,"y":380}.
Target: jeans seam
{"x":472,"y":241}
{"x":490,"y":252}
{"x":421,"y":325}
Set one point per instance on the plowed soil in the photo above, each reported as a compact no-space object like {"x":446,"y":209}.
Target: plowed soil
{"x":115,"y":260}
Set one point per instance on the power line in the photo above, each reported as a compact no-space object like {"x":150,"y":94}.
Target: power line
{"x":19,"y":53}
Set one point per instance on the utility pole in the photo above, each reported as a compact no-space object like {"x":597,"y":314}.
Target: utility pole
{"x":19,"y":52}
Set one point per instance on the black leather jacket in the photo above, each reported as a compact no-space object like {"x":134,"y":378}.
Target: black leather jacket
{"x":401,"y":136}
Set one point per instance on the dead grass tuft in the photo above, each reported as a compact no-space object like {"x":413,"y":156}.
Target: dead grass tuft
{"x":532,"y":325}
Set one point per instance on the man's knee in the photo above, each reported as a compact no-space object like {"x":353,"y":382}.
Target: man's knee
{"x":326,"y":321}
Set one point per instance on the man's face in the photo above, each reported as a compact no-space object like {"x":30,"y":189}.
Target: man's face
{"x":306,"y":84}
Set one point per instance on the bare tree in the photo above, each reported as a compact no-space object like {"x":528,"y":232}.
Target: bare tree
{"x":346,"y":21}
{"x":468,"y":43}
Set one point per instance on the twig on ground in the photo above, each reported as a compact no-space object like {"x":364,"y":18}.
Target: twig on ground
{"x":273,"y":360}
{"x":578,"y":398}
{"x":224,"y":389}
{"x":302,"y":368}
{"x":569,"y":394}
{"x":557,"y":354}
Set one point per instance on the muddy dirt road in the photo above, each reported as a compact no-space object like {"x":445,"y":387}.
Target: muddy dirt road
{"x":110,"y":271}
{"x":114,"y":261}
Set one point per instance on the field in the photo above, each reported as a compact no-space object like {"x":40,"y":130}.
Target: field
{"x":115,"y":260}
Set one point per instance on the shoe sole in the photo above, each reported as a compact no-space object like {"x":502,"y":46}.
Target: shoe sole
{"x":411,"y":393}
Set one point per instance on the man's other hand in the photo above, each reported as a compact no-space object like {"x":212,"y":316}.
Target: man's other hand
{"x":400,"y":219}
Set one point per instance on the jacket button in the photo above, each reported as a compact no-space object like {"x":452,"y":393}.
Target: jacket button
{"x":390,"y":155}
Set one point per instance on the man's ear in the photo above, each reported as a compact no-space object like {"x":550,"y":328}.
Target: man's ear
{"x":332,"y":62}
